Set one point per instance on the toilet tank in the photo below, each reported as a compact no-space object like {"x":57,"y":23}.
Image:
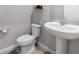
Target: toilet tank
{"x":36,"y":28}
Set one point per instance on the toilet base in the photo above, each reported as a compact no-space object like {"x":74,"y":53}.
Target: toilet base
{"x":31,"y":50}
{"x":28,"y":48}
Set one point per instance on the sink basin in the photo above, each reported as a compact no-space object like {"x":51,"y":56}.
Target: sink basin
{"x":63,"y":33}
{"x":67,"y":31}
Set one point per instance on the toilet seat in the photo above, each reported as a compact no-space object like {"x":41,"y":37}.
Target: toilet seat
{"x":25,"y":39}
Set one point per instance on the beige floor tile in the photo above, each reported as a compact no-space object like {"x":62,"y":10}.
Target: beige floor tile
{"x":37,"y":51}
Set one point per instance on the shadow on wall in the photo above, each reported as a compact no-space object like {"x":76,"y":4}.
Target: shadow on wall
{"x":37,"y":14}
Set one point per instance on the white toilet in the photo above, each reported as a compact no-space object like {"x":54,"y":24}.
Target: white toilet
{"x":27,"y":41}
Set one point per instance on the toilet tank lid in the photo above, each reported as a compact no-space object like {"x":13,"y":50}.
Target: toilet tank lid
{"x":36,"y":25}
{"x":26,"y":37}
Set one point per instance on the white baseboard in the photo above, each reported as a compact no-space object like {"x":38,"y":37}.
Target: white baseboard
{"x":7,"y":49}
{"x":11,"y":47}
{"x":42,"y":46}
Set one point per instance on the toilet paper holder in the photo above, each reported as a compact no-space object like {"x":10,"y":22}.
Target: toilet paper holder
{"x":4,"y":30}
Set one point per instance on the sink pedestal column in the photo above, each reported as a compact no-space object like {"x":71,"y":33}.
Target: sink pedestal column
{"x":61,"y":45}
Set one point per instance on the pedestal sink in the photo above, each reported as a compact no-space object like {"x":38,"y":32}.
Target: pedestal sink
{"x":63,"y":33}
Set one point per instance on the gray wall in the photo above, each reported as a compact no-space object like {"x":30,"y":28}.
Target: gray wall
{"x":71,"y":12}
{"x":73,"y":45}
{"x":56,"y":12}
{"x":17,"y":19}
{"x":46,"y":38}
{"x":49,"y":13}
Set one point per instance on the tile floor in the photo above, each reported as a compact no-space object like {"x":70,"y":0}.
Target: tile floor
{"x":39,"y":51}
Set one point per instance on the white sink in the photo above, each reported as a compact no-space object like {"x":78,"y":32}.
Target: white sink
{"x":63,"y":33}
{"x":67,"y":31}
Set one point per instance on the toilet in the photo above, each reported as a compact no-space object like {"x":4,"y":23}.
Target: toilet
{"x":27,"y":41}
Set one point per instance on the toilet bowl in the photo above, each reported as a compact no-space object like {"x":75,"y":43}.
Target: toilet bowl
{"x":27,"y":41}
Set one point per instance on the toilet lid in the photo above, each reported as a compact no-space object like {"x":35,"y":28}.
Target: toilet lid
{"x":25,"y":38}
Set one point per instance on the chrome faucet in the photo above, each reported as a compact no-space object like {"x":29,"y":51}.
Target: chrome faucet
{"x":62,"y":22}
